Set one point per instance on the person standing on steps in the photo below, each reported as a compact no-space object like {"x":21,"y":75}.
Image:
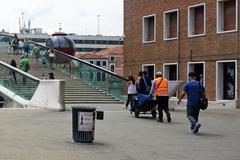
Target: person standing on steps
{"x":51,"y":76}
{"x":160,"y":89}
{"x":24,"y":66}
{"x":51,"y":55}
{"x":36,"y":54}
{"x":26,"y":47}
{"x":15,"y":43}
{"x":14,"y":64}
{"x":192,"y":90}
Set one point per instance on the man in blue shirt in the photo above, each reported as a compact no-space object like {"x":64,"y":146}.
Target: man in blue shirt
{"x":193,"y":90}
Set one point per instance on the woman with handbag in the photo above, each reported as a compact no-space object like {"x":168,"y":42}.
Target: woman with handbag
{"x":132,"y":91}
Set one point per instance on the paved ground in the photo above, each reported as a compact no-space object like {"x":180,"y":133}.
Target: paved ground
{"x":37,"y":134}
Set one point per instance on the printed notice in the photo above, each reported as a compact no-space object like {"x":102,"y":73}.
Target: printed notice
{"x":85,"y":121}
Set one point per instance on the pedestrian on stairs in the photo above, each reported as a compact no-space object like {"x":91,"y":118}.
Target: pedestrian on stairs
{"x":14,"y":64}
{"x":50,"y":76}
{"x":51,"y":55}
{"x":24,"y":66}
{"x":15,"y":43}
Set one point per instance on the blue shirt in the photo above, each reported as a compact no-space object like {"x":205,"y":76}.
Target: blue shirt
{"x":193,"y":89}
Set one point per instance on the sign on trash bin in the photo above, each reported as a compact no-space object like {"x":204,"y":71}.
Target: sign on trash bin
{"x":85,"y":121}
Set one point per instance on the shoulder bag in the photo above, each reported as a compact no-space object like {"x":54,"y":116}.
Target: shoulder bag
{"x":203,"y":102}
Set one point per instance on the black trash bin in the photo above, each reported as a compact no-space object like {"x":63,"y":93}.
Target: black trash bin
{"x":1,"y":102}
{"x":83,"y":124}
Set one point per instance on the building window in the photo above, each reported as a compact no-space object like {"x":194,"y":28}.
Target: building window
{"x":91,"y":62}
{"x":98,"y":63}
{"x":101,"y":42}
{"x":199,"y":69}
{"x":99,"y":76}
{"x":103,"y":76}
{"x":87,"y":49}
{"x":170,"y":25}
{"x":112,"y":58}
{"x":78,"y":41}
{"x":226,"y":16}
{"x":89,"y":42}
{"x":196,"y":20}
{"x":170,"y":72}
{"x":104,"y":63}
{"x":114,"y":42}
{"x":149,"y":29}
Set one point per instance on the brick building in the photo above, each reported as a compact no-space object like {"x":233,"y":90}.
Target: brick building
{"x":110,"y":59}
{"x":179,"y":36}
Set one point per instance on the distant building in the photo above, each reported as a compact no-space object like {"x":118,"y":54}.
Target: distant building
{"x":182,"y":36}
{"x":110,"y":59}
{"x":83,"y":43}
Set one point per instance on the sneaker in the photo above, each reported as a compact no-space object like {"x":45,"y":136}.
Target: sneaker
{"x":196,"y":129}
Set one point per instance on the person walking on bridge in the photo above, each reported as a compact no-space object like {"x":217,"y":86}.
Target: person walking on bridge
{"x":24,"y":66}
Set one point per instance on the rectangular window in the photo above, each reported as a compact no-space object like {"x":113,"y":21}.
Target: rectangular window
{"x":171,"y":25}
{"x":170,"y":72}
{"x":114,"y":42}
{"x":101,"y":42}
{"x":98,"y":63}
{"x":226,"y":16}
{"x":196,"y":20}
{"x":199,"y":69}
{"x":112,"y":58}
{"x":149,"y":29}
{"x":78,"y":41}
{"x":89,"y":42}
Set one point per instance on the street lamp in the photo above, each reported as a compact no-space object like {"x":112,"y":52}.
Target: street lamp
{"x":60,"y":28}
{"x":98,"y":24}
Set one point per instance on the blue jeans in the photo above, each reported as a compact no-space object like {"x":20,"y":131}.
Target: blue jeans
{"x":192,"y":115}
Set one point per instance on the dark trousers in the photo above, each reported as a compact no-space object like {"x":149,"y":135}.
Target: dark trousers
{"x":130,"y":100}
{"x":14,"y":77}
{"x":192,"y":115}
{"x":51,"y":60}
{"x":162,"y":102}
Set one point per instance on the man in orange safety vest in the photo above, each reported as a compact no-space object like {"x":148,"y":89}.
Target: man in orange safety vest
{"x":160,"y":89}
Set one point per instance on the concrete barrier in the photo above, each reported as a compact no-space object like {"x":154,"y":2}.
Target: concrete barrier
{"x":50,"y":94}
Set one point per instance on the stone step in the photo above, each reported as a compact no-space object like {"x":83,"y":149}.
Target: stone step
{"x":94,"y":102}
{"x":80,"y":91}
{"x":76,"y":91}
{"x":86,"y":94}
{"x":90,"y":98}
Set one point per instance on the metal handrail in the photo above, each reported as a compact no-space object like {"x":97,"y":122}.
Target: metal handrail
{"x":79,"y":60}
{"x":20,"y":71}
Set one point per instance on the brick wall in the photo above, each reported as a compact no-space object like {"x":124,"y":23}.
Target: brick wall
{"x":208,"y":48}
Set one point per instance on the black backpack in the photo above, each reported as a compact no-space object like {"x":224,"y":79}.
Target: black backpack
{"x":15,"y":41}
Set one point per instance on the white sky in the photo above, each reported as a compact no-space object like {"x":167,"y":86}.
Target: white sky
{"x":75,"y":16}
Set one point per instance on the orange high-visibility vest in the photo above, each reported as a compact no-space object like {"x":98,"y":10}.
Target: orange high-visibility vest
{"x":162,"y":89}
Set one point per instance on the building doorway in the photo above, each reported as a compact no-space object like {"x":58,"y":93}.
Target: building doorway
{"x":226,"y":80}
{"x":150,"y":68}
{"x":199,"y":69}
{"x":170,"y":71}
